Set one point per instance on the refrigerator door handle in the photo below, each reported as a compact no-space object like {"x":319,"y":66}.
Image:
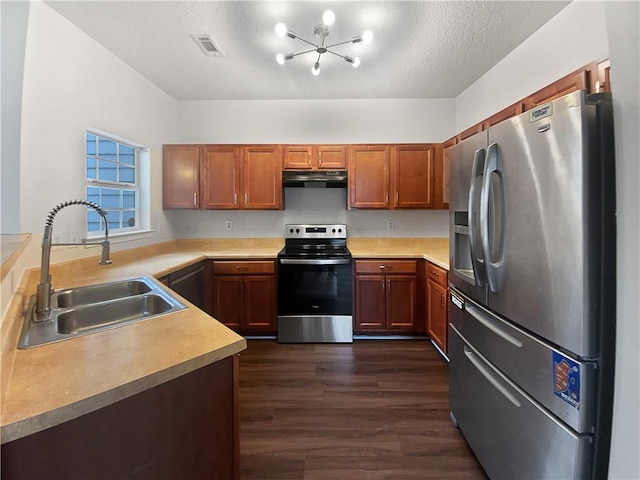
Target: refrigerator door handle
{"x":490,"y":377}
{"x":493,"y":166}
{"x":489,"y":323}
{"x":476,"y":258}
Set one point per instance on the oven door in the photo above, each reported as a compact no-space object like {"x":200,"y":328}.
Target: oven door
{"x":315,"y":286}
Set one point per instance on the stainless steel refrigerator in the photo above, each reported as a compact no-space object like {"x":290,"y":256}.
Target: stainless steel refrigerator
{"x":532,"y":276}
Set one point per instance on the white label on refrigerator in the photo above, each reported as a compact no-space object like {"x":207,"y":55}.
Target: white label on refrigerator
{"x":543,"y":111}
{"x":457,"y":301}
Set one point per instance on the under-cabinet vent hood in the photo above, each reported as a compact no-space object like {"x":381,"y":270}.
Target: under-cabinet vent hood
{"x":315,"y":179}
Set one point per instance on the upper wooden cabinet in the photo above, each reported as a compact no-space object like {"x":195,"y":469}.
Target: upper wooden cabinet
{"x":223,"y":177}
{"x":369,"y":176}
{"x":603,"y":82}
{"x":181,"y":176}
{"x":441,"y":186}
{"x":222,"y":172}
{"x":262,"y":177}
{"x":315,"y":157}
{"x":391,"y":176}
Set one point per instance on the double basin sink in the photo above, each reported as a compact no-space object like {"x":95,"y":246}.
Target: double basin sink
{"x":85,"y":310}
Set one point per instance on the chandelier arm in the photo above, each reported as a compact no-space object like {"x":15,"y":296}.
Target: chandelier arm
{"x":307,"y":42}
{"x":336,"y":44}
{"x":337,"y":54}
{"x":302,"y":53}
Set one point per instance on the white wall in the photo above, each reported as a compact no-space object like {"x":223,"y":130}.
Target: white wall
{"x":314,"y":121}
{"x":622,"y":20}
{"x":70,"y":83}
{"x":581,"y":33}
{"x":570,"y":40}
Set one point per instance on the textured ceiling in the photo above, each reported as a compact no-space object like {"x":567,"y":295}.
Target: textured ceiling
{"x":424,"y":49}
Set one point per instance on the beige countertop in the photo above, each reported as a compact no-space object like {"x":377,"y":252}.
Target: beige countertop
{"x":51,"y":384}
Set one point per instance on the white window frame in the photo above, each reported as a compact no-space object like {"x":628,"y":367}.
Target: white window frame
{"x":140,"y":187}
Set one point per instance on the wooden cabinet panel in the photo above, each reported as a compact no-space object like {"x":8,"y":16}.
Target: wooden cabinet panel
{"x":228,"y":300}
{"x":369,"y":176}
{"x":370,"y":310}
{"x":260,"y":303}
{"x":315,"y":157}
{"x":245,"y":295}
{"x":263,"y":177}
{"x":575,"y":81}
{"x":437,"y":274}
{"x":181,"y":176}
{"x":401,"y":302}
{"x":603,"y":82}
{"x":412,"y":169}
{"x":332,"y":157}
{"x":222,"y":169}
{"x":437,"y":314}
{"x":386,"y":296}
{"x":386,"y":266}
{"x":511,"y":111}
{"x":298,"y":157}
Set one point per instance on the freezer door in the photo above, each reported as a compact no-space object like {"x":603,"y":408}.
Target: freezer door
{"x":465,"y":182}
{"x":535,"y":232}
{"x":512,"y":436}
{"x":563,"y":385}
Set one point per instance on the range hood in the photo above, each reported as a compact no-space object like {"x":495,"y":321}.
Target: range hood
{"x":315,"y":179}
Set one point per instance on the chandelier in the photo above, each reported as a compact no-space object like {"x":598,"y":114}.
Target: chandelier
{"x":321,"y":31}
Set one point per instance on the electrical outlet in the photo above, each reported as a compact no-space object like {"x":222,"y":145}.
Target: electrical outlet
{"x":389,"y":225}
{"x":229,"y":225}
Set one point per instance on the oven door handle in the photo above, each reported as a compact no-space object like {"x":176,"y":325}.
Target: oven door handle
{"x":336,"y":261}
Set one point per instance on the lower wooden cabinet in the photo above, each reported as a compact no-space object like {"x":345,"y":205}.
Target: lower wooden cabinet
{"x":244,"y":295}
{"x":385,"y":296}
{"x":437,"y":305}
{"x":184,"y":428}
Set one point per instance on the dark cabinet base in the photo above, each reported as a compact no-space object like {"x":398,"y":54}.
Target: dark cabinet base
{"x":184,"y":428}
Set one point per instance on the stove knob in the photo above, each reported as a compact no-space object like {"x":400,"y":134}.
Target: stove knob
{"x":339,"y":230}
{"x":333,"y":230}
{"x":291,"y":230}
{"x":297,"y":230}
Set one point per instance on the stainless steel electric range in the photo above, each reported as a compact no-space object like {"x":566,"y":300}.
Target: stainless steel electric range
{"x":315,"y":285}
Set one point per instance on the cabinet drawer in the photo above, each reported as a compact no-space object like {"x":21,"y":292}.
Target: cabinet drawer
{"x":242,"y":267}
{"x":386,"y":266}
{"x":437,"y":274}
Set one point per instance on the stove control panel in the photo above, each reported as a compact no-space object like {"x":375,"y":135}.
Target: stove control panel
{"x":315,"y":231}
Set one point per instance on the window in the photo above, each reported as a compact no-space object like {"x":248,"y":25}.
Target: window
{"x":113,"y":182}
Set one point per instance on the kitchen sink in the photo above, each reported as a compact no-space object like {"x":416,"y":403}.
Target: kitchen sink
{"x":90,"y":309}
{"x":99,"y":293}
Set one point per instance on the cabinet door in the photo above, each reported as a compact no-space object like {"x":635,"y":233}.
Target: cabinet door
{"x":401,"y":302}
{"x":437,"y":314}
{"x":263,"y":177}
{"x":228,"y":300}
{"x":370,"y":311}
{"x":181,"y":176}
{"x":332,"y":157}
{"x":222,"y":168}
{"x":576,"y":81}
{"x":412,"y":173}
{"x":260,"y":303}
{"x":603,"y":82}
{"x":298,"y":157}
{"x":369,"y":176}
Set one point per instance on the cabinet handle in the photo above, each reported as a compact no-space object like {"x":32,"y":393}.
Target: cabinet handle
{"x":442,"y":302}
{"x":382,"y":267}
{"x":245,"y":199}
{"x":195,"y":199}
{"x":388,"y":285}
{"x":397,"y":198}
{"x":309,"y":159}
{"x":235,"y":199}
{"x":386,"y":198}
{"x":319,"y":158}
{"x":238,"y":267}
{"x":433,"y":272}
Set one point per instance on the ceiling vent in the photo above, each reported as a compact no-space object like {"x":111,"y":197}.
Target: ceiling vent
{"x":207,"y":45}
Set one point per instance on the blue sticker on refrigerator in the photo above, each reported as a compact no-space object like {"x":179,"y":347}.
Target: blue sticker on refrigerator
{"x":566,"y":379}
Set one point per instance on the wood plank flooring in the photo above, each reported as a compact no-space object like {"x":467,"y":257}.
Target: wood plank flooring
{"x":373,"y":410}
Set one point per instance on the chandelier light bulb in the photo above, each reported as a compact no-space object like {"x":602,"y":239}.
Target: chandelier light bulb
{"x":316,"y":69}
{"x":356,"y":62}
{"x":281,"y":29}
{"x":328,"y":17}
{"x":280,"y":59}
{"x":367,"y":36}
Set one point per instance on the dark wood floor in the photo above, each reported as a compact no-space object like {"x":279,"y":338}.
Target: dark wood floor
{"x":373,"y":410}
